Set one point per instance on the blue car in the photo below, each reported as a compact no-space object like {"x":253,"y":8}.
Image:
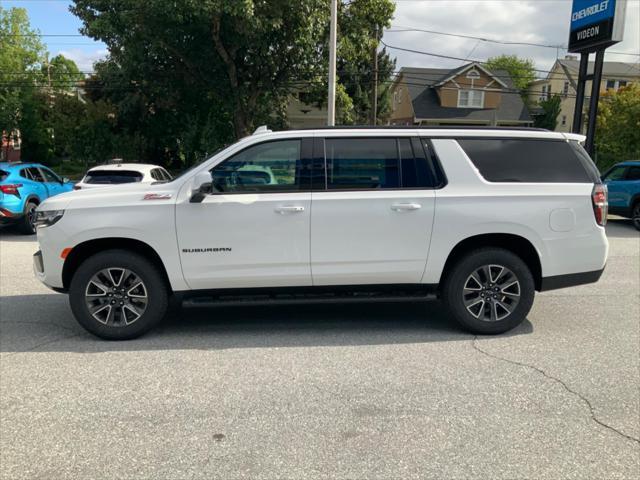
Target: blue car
{"x":23,"y":186}
{"x":623,"y":182}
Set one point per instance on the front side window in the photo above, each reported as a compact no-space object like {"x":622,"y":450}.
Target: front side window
{"x":633,"y":173}
{"x":616,"y":173}
{"x":362,"y":163}
{"x":470,"y":98}
{"x":266,"y":167}
{"x":50,"y":176}
{"x":36,"y":175}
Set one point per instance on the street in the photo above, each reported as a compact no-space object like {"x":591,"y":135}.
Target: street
{"x":324,"y":391}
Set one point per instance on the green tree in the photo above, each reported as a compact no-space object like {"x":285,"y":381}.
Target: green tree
{"x":550,"y":110}
{"x":63,"y":73}
{"x":618,"y":126}
{"x":522,"y":71}
{"x":21,"y":55}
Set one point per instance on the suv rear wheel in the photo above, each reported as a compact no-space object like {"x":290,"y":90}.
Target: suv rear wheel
{"x":26,"y":225}
{"x":489,"y":291}
{"x":118,"y":295}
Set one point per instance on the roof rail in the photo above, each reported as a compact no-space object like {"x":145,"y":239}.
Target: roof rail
{"x":262,"y":129}
{"x":421,"y":127}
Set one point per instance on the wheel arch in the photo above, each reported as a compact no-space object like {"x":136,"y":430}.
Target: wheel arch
{"x":514,"y":243}
{"x":86,"y":249}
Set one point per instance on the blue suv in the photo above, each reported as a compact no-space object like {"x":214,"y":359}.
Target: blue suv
{"x":623,"y":182}
{"x":23,"y":186}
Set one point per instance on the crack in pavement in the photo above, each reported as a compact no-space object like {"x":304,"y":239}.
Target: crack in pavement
{"x":42,"y":344}
{"x":586,"y":401}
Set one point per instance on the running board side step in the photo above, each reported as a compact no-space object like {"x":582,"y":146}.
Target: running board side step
{"x":261,"y":300}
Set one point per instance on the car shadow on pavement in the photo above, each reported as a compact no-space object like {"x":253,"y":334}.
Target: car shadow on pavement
{"x":619,"y":227}
{"x":10,"y":233}
{"x":45,"y":323}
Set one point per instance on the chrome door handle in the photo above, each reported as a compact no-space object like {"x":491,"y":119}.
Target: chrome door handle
{"x":398,"y":207}
{"x":290,"y":209}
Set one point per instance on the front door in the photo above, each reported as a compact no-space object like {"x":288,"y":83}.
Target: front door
{"x":253,"y":229}
{"x":371,"y":223}
{"x":55,"y":185}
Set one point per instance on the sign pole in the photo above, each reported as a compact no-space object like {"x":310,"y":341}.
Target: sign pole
{"x":331,"y":103}
{"x":593,"y":101}
{"x":582,"y":76}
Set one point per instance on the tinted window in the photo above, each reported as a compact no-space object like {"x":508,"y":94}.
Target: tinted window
{"x":36,"y":175}
{"x":413,"y":164}
{"x":266,"y":167}
{"x":107,"y":177}
{"x":363,"y":163}
{"x":167,"y":175}
{"x":616,"y":173}
{"x":524,"y":160}
{"x":50,"y":176}
{"x":25,"y":173}
{"x":633,"y":173}
{"x":156,"y":174}
{"x":4,"y":175}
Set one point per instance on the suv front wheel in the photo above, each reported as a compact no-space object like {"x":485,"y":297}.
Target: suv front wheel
{"x":489,"y":291}
{"x":118,"y":295}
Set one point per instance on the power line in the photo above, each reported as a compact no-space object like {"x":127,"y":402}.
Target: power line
{"x":402,"y":29}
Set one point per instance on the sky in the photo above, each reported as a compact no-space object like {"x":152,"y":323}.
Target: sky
{"x":532,"y":21}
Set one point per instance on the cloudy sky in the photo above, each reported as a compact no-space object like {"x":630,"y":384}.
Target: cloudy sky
{"x":532,"y":21}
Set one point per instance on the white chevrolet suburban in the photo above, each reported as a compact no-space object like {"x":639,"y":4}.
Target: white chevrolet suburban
{"x":481,"y":218}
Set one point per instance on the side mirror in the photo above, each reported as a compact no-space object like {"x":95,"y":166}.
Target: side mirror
{"x":65,"y":180}
{"x":202,"y":187}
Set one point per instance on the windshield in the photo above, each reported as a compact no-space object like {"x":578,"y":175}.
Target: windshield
{"x":103,"y":177}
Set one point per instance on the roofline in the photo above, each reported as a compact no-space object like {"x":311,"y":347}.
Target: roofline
{"x":420,"y":127}
{"x":460,"y":72}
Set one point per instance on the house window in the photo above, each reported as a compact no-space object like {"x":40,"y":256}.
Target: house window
{"x":611,"y":84}
{"x":564,"y":120}
{"x":565,"y":89}
{"x":470,"y":99}
{"x":622,"y":83}
{"x":546,"y":92}
{"x":473,"y":74}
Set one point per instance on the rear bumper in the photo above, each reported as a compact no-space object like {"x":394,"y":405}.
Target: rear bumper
{"x":569,"y":280}
{"x":7,"y":216}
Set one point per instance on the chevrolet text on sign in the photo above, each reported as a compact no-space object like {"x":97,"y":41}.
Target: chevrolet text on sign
{"x":596,"y":24}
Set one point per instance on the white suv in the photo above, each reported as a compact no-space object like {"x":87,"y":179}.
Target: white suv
{"x":481,"y":218}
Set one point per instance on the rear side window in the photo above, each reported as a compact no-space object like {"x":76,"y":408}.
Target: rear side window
{"x":526,"y":160}
{"x":3,"y":175}
{"x":362,"y":163}
{"x":107,"y":177}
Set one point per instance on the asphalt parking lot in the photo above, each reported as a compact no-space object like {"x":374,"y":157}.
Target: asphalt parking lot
{"x":366,"y":391}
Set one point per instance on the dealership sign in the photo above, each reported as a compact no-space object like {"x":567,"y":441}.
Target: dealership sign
{"x":596,"y":24}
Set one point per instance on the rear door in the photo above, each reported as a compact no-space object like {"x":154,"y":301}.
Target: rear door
{"x":38,"y":184}
{"x":373,"y":206}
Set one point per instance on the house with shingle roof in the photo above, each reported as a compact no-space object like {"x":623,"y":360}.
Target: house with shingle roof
{"x":562,"y":80}
{"x":467,"y":95}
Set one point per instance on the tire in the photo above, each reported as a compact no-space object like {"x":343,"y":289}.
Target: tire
{"x":26,"y":226}
{"x":129,"y":311}
{"x":635,"y":215}
{"x":465,"y":291}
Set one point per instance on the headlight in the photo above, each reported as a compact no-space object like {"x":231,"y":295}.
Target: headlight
{"x":47,"y":218}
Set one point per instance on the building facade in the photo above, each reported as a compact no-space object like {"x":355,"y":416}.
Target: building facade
{"x":563,"y":80}
{"x":467,"y":95}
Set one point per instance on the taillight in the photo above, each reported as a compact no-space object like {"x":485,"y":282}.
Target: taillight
{"x":600,"y":203}
{"x":11,"y":189}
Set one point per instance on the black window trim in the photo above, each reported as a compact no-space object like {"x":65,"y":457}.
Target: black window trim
{"x":320,"y":161}
{"x":306,"y":152}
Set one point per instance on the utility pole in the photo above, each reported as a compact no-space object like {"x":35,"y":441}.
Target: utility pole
{"x":374,"y":81}
{"x":331,"y":102}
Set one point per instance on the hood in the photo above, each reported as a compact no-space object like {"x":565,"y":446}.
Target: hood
{"x":116,"y":195}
